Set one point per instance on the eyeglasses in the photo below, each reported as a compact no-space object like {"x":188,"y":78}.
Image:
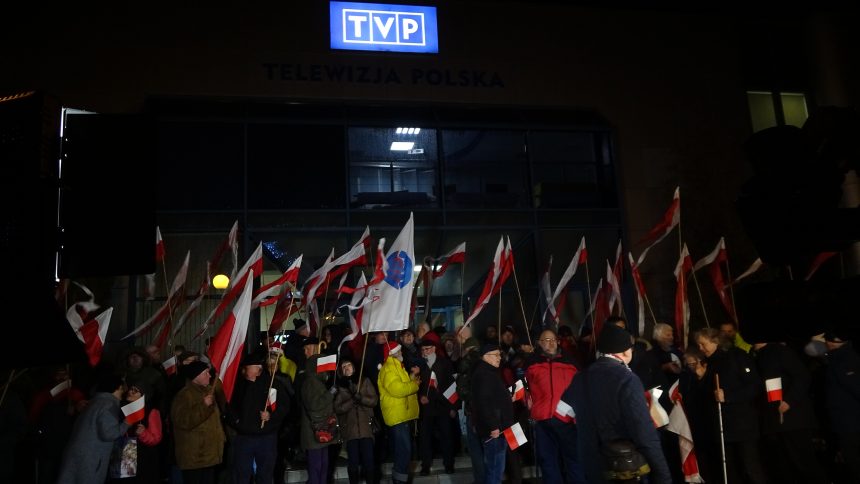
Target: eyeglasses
{"x":550,"y":340}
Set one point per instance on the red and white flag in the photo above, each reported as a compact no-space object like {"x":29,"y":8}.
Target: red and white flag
{"x":714,"y":262}
{"x":753,"y":268}
{"x":451,"y":393}
{"x":613,"y":289}
{"x":159,"y":245}
{"x":271,"y":292}
{"x":599,"y":310}
{"x":227,"y":345}
{"x":679,"y":424}
{"x":94,"y":333}
{"x":434,"y":383}
{"x":456,"y":256}
{"x":174,"y":298}
{"x":80,"y":311}
{"x":670,"y":220}
{"x":655,"y":409}
{"x":515,"y":436}
{"x":61,"y":387}
{"x":490,"y":282}
{"x":774,"y":389}
{"x":564,"y":412}
{"x":169,"y":365}
{"x":560,"y":293}
{"x":356,"y":256}
{"x":327,"y":363}
{"x":640,"y":292}
{"x":253,"y":268}
{"x":391,"y":298}
{"x":546,"y":293}
{"x":272,"y":400}
{"x":134,"y":411}
{"x":682,"y":305}
{"x":507,"y":267}
{"x":518,"y":391}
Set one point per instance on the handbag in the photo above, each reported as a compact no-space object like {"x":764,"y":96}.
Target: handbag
{"x":326,"y":431}
{"x":123,"y":458}
{"x":622,"y":461}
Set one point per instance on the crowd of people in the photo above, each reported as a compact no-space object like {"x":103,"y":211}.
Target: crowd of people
{"x":421,"y":396}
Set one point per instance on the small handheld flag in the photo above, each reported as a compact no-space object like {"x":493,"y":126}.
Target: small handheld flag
{"x":134,"y":411}
{"x":518,"y":391}
{"x":434,"y":383}
{"x":451,"y":393}
{"x":774,"y":389}
{"x":272,"y":401}
{"x":169,"y":365}
{"x":327,"y":363}
{"x":564,"y":412}
{"x":515,"y":436}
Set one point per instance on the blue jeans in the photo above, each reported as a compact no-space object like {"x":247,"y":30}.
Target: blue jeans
{"x":401,"y":439}
{"x":249,"y":449}
{"x":476,"y":451}
{"x":555,"y":446}
{"x":494,"y":460}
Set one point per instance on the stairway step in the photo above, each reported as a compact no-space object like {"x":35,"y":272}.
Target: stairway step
{"x":462,"y":464}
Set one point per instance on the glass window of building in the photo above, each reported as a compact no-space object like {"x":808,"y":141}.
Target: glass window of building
{"x":485,"y":169}
{"x":393,"y":167}
{"x":774,"y":108}
{"x":567,"y":169}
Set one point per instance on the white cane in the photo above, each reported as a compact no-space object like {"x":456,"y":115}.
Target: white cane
{"x":722,"y":437}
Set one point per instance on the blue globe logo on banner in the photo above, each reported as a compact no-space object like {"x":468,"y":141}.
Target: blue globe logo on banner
{"x":399,"y":271}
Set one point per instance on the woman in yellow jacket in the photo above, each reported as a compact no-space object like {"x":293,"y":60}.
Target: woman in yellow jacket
{"x":398,"y":401}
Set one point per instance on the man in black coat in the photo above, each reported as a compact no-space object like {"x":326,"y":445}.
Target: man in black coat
{"x":787,"y":416}
{"x":609,"y":403}
{"x":256,"y":420}
{"x":843,"y":398}
{"x":492,"y":411}
{"x":437,"y":375}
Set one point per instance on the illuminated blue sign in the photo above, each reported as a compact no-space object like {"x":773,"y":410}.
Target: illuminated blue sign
{"x":382,"y":27}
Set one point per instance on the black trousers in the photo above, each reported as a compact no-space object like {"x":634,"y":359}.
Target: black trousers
{"x":791,"y":457}
{"x":849,"y":445}
{"x":441,"y":424}
{"x":743,"y":462}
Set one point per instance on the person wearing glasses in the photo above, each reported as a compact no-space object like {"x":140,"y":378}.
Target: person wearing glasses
{"x":549,"y":372}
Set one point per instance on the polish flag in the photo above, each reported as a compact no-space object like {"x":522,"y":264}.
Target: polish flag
{"x":682,"y":305}
{"x":753,"y":268}
{"x":679,"y":424}
{"x":640,"y":292}
{"x":169,"y":365}
{"x":515,"y":436}
{"x":227,"y":345}
{"x":94,"y":333}
{"x":451,"y":393}
{"x":564,"y":412}
{"x":327,"y":363}
{"x":434,"y":383}
{"x":456,"y":256}
{"x":356,"y":256}
{"x":774,"y":389}
{"x":599,"y":310}
{"x":272,"y":401}
{"x":159,"y":245}
{"x":816,"y":263}
{"x":489,"y":283}
{"x":546,"y":293}
{"x":174,"y":298}
{"x":271,"y":292}
{"x":657,"y":412}
{"x":253,"y":268}
{"x":518,"y":391}
{"x":507,"y":267}
{"x":134,"y":411}
{"x":579,"y":257}
{"x":612,"y":287}
{"x":618,"y":267}
{"x":714,"y":262}
{"x":670,"y":220}
{"x":355,"y":312}
{"x":79,"y":311}
{"x":61,"y":387}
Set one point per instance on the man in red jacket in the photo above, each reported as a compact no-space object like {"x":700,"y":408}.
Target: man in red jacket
{"x":549,"y":372}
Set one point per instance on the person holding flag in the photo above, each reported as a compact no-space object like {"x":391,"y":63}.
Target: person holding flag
{"x":318,"y":421}
{"x":787,"y":414}
{"x":398,"y":400}
{"x":93,"y":434}
{"x":198,"y":434}
{"x":492,"y":411}
{"x":354,"y":404}
{"x":256,"y":410}
{"x":148,"y":432}
{"x":608,"y":402}
{"x":437,"y":411}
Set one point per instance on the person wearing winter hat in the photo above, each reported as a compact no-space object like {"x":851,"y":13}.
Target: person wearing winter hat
{"x":492,"y":410}
{"x":198,"y":434}
{"x":843,"y":397}
{"x":354,"y":404}
{"x":609,"y":403}
{"x":437,"y":413}
{"x":399,"y":404}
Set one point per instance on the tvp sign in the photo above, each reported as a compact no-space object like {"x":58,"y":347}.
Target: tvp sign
{"x":382,"y":27}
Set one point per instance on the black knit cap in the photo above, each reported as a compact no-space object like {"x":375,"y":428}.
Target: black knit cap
{"x":255,"y":358}
{"x":613,"y":339}
{"x":193,"y":369}
{"x":488,"y":347}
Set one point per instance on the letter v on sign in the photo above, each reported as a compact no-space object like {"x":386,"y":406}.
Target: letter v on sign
{"x":383,"y":28}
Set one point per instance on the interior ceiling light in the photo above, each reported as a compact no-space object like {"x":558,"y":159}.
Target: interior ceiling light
{"x":402,"y":145}
{"x":402,"y":130}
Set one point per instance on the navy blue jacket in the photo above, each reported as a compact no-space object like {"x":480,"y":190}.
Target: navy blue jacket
{"x":843,"y":389}
{"x":779,"y":361}
{"x":609,"y":402}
